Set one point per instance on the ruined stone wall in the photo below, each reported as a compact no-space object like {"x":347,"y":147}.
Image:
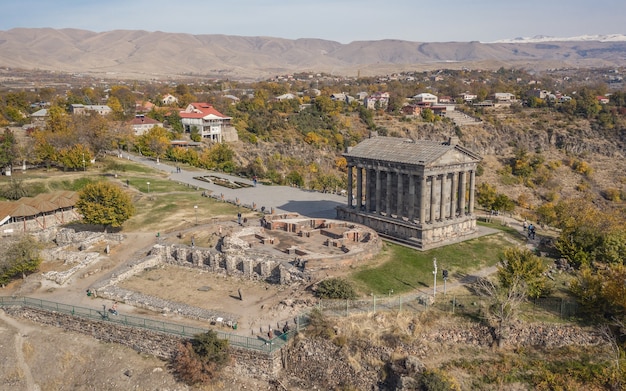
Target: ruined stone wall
{"x":255,"y":266}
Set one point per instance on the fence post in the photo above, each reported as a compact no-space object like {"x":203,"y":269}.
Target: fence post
{"x":400,"y":306}
{"x":453,"y":303}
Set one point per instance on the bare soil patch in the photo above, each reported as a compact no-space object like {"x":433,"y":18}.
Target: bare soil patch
{"x":262,"y":304}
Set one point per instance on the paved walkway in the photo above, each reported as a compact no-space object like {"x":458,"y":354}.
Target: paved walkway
{"x":281,"y":198}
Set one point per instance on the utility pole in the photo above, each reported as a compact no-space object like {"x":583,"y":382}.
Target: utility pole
{"x":435,"y":276}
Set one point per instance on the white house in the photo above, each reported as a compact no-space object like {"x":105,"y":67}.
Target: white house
{"x":377,"y":99}
{"x":142,"y":124}
{"x":83,"y":109}
{"x":504,"y":97}
{"x":425,"y":98}
{"x":467,"y":97}
{"x":169,"y":99}
{"x":287,"y":96}
{"x":210,"y":123}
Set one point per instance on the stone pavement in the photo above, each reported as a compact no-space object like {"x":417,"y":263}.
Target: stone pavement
{"x":281,"y":198}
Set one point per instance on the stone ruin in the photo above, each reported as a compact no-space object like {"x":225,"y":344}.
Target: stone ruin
{"x":283,"y":249}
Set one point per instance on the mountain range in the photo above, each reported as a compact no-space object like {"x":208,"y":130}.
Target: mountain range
{"x":144,"y":55}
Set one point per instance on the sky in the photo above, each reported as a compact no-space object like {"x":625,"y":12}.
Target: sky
{"x":336,"y":20}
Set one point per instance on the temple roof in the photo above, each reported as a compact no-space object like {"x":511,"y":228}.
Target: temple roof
{"x":407,"y":151}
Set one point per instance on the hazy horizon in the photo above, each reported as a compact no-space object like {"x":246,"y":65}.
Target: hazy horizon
{"x":336,"y":20}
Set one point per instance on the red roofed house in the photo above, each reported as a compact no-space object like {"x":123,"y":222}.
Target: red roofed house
{"x":210,"y":122}
{"x":142,"y":124}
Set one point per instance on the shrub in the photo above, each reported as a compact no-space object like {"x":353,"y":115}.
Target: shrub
{"x":319,"y":326}
{"x":612,"y":194}
{"x":201,"y":359}
{"x":335,"y":288}
{"x":436,"y":380}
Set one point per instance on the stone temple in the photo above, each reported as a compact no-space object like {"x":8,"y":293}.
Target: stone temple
{"x":420,"y":193}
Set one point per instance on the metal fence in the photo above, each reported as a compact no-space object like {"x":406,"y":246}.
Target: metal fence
{"x":413,"y":302}
{"x":255,"y":343}
{"x":460,"y":304}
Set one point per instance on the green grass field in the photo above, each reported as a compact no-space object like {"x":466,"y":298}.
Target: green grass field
{"x":402,"y":269}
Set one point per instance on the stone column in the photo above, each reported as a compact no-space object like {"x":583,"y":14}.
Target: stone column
{"x":379,"y":206}
{"x":453,"y":196}
{"x":399,"y":206}
{"x":433,"y":198}
{"x":462,"y":194}
{"x":388,"y":194}
{"x":359,"y":187}
{"x":368,"y":190}
{"x":350,"y":203}
{"x":471,"y":191}
{"x":442,"y":195}
{"x":411,"y":206}
{"x":423,"y":199}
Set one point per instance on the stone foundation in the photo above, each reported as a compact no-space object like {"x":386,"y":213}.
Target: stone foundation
{"x":421,"y":236}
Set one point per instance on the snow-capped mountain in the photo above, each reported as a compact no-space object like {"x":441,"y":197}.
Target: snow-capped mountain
{"x":545,"y":38}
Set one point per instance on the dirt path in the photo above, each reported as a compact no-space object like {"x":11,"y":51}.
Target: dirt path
{"x":21,"y":332}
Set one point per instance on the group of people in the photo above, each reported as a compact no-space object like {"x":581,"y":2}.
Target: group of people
{"x":530,"y":230}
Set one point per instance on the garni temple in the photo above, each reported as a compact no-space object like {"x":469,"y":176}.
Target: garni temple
{"x":417,"y":192}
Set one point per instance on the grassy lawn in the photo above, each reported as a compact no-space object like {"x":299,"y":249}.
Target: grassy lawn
{"x":176,"y":210}
{"x":402,"y":269}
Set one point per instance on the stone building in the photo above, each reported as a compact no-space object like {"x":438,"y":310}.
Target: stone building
{"x":420,"y":192}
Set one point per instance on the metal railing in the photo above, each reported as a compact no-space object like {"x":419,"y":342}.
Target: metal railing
{"x":459,"y":304}
{"x":255,"y":343}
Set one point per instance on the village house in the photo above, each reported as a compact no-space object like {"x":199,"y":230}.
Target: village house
{"x":425,"y":98}
{"x":38,"y":118}
{"x":467,"y":97}
{"x":143,"y":106}
{"x":210,"y":123}
{"x":84,"y":109}
{"x":287,"y":96}
{"x":377,"y":100}
{"x":142,"y":124}
{"x":169,"y":99}
{"x":504,"y":97}
{"x":412,"y":110}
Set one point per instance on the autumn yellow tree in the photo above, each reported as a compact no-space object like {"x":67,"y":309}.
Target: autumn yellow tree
{"x":104,"y":203}
{"x":155,"y":142}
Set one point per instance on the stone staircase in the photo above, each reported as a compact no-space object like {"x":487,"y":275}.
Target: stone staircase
{"x":459,"y":118}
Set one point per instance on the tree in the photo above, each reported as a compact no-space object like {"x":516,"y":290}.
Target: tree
{"x":521,"y":264}
{"x":601,"y":293}
{"x":503,"y":306}
{"x":19,"y":259}
{"x":14,"y":190}
{"x":201,"y":359}
{"x":104,"y":203}
{"x":428,"y":115}
{"x":76,"y":157}
{"x":155,"y":142}
{"x":486,"y":195}
{"x":8,"y":149}
{"x":335,"y":288}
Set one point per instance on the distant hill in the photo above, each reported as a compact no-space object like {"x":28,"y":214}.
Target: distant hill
{"x":143,"y":54}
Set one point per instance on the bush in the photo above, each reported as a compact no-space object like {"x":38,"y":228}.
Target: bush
{"x":319,"y":326}
{"x":201,"y":359}
{"x":335,"y":288}
{"x":435,"y":380}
